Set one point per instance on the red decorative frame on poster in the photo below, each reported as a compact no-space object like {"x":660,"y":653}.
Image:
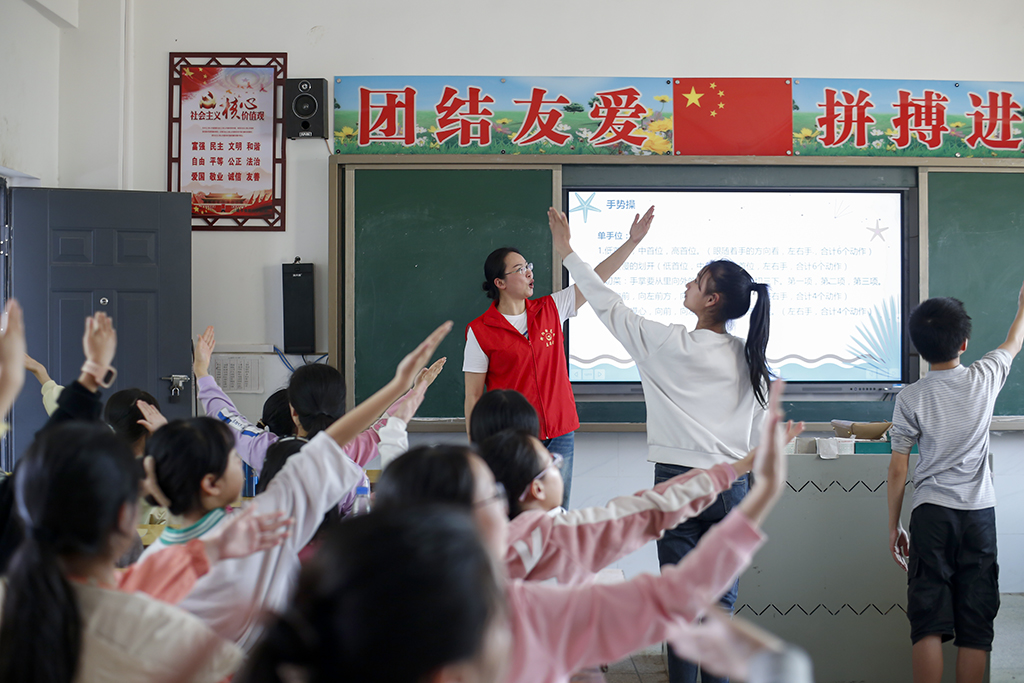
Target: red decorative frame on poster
{"x":225,"y":141}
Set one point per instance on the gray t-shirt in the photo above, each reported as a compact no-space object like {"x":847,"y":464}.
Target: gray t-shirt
{"x":947,"y":413}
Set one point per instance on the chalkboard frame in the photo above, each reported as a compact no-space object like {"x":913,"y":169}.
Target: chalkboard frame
{"x":607,"y":415}
{"x":349,"y":251}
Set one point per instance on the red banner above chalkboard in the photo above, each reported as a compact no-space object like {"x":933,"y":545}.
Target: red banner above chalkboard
{"x":676,"y":116}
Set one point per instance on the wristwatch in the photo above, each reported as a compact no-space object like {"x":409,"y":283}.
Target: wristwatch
{"x":104,"y":375}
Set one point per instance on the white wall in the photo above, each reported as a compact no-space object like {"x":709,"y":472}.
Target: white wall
{"x":114,"y":140}
{"x":29,"y":93}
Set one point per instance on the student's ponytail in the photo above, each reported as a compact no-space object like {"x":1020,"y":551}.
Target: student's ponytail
{"x":734,"y":286}
{"x":41,"y":631}
{"x":757,"y":344}
{"x":317,"y":395}
{"x":70,"y":490}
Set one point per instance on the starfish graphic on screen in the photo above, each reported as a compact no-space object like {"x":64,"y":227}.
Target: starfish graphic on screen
{"x":877,"y":232}
{"x":585,"y":205}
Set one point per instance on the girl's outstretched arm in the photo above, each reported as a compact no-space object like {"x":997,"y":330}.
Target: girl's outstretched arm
{"x":363,"y":415}
{"x":605,"y":269}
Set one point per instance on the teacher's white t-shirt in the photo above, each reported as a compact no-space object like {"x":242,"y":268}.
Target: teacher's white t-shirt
{"x":476,"y":360}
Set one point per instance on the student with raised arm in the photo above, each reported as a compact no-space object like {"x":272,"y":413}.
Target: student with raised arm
{"x":559,"y":629}
{"x":705,"y":390}
{"x":546,"y":541}
{"x":198,"y":474}
{"x":950,"y":553}
{"x":67,"y":613}
{"x":517,"y":342}
{"x":316,"y":395}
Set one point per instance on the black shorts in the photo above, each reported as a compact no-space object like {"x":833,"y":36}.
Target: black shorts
{"x":953,"y":577}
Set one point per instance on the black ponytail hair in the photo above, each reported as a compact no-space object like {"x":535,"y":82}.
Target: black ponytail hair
{"x":316,"y":393}
{"x":734,"y":285}
{"x":185,"y":451}
{"x":123,"y":415}
{"x":494,"y":267}
{"x":420,"y":577}
{"x":500,"y":409}
{"x":512,"y":456}
{"x":428,"y":474}
{"x":277,"y":417}
{"x":70,"y":488}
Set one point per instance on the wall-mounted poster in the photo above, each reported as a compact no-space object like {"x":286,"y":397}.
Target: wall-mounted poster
{"x":228,"y":152}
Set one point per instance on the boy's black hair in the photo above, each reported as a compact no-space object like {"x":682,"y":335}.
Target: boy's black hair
{"x":939,"y":327}
{"x":277,"y":414}
{"x":317,"y":394}
{"x":184,"y":452}
{"x":500,"y":409}
{"x":123,"y":415}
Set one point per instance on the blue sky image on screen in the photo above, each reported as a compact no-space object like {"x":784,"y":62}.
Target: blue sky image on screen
{"x":832,"y":261}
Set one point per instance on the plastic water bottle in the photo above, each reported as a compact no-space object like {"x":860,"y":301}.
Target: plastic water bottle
{"x":792,"y":665}
{"x":362,"y":504}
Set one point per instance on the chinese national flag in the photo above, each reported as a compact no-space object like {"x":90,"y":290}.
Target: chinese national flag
{"x":732,"y":116}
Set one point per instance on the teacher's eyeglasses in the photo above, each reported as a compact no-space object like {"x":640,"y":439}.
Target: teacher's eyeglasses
{"x":556,"y":463}
{"x":521,"y":269}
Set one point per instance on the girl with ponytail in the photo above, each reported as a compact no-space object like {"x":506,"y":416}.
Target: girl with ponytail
{"x":67,"y":614}
{"x":706,"y":390}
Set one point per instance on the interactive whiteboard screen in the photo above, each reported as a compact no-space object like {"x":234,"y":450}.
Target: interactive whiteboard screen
{"x":832,"y":260}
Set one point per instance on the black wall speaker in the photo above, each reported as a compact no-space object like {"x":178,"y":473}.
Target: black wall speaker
{"x":299,"y":322}
{"x":306,"y":108}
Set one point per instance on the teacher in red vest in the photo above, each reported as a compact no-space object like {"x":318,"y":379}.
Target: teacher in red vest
{"x":517,"y":343}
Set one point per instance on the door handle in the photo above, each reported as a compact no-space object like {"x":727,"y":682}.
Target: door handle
{"x":177,"y":383}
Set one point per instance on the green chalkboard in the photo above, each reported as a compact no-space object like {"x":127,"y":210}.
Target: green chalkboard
{"x":976,"y":254}
{"x":420,"y":240}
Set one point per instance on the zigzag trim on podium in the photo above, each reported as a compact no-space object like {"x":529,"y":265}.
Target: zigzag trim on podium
{"x":835,"y":483}
{"x":820,"y":606}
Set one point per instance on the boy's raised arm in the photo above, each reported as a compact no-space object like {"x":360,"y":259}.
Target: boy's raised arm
{"x":1015,"y":337}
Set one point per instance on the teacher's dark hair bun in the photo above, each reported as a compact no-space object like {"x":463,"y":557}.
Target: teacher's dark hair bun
{"x":494,"y":267}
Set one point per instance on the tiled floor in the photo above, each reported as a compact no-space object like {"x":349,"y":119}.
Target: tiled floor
{"x":1007,"y":654}
{"x":647,"y":665}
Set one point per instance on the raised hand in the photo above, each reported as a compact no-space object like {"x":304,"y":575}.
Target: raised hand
{"x":769,"y":465}
{"x":559,"y":225}
{"x":205,"y":344}
{"x":428,"y":375}
{"x":37,"y":369}
{"x":100,"y":339}
{"x":411,"y":365}
{"x":12,"y":355}
{"x":724,"y":646}
{"x":246,"y":533}
{"x":641,"y":225}
{"x":152,"y":418}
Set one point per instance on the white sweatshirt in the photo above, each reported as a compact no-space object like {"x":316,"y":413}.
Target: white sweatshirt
{"x":235,"y":595}
{"x":701,"y":409}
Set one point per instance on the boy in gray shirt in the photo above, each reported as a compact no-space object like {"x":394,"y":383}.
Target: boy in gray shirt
{"x":950,"y":554}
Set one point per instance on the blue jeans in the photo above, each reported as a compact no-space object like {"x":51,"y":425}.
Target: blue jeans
{"x":564,"y":445}
{"x":674,"y":545}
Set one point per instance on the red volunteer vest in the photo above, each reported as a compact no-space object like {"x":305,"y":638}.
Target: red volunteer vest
{"x":534,"y":367}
